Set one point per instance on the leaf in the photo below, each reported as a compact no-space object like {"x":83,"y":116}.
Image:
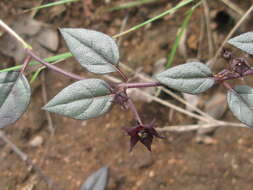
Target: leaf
{"x":193,"y":78}
{"x":243,"y":42}
{"x":15,"y":96}
{"x":82,"y":100}
{"x":95,"y":51}
{"x":241,"y":104}
{"x":97,"y":181}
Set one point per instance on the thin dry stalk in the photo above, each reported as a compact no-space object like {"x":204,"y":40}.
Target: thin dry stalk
{"x":201,"y":37}
{"x":122,"y":28}
{"x":24,"y":157}
{"x":208,"y":28}
{"x":234,"y":7}
{"x":186,"y":128}
{"x":238,"y":24}
{"x":45,"y":100}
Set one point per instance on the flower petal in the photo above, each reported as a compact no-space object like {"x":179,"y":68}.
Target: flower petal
{"x":147,"y":141}
{"x":133,"y":142}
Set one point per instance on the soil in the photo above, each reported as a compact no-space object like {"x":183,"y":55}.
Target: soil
{"x":79,"y":148}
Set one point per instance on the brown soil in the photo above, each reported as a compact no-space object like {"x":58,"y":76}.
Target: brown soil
{"x":79,"y":148}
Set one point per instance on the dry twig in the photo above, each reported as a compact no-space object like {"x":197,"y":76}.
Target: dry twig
{"x":233,"y":31}
{"x":208,"y":28}
{"x":185,"y":128}
{"x":24,"y":157}
{"x":234,"y":7}
{"x":45,"y":100}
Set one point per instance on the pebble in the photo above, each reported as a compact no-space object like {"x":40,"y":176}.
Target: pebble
{"x":36,"y":141}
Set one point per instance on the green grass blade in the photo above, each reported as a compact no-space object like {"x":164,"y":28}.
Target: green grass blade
{"x":52,"y":4}
{"x":180,"y":33}
{"x":178,"y":38}
{"x":62,"y":56}
{"x":170,"y":11}
{"x":131,"y":4}
{"x":36,"y":74}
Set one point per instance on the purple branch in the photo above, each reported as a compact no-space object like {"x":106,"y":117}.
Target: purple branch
{"x":122,"y":74}
{"x":26,"y":62}
{"x":140,"y":85}
{"x":134,"y":110}
{"x":57,"y":69}
{"x":225,"y":75}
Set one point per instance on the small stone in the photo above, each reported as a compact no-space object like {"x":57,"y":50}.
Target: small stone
{"x":151,"y":174}
{"x":36,"y":141}
{"x":203,"y":139}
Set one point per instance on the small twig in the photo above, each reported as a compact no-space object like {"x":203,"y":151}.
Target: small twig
{"x":185,"y":128}
{"x":28,"y":161}
{"x":122,"y":28}
{"x":233,"y":31}
{"x":209,"y":31}
{"x":177,"y":108}
{"x":233,"y":7}
{"x":15,"y":35}
{"x":188,"y":104}
{"x":53,"y":67}
{"x":201,"y":37}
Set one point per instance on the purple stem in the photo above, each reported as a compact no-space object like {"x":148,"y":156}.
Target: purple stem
{"x":57,"y":69}
{"x":25,"y":64}
{"x":235,"y":76}
{"x":140,"y":85}
{"x":122,"y":74}
{"x":134,"y":110}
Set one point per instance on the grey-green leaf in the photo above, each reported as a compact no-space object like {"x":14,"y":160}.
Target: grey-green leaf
{"x":193,"y":78}
{"x":15,"y":94}
{"x":241,"y":103}
{"x":95,"y":51}
{"x":82,"y":100}
{"x":243,"y":42}
{"x":97,"y":181}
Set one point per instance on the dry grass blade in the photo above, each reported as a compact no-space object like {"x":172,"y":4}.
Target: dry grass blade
{"x":209,"y":31}
{"x":233,"y":31}
{"x":185,"y":128}
{"x":234,"y":7}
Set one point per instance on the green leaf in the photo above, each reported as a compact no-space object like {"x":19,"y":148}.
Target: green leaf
{"x":240,"y":101}
{"x":243,"y":42}
{"x":95,"y":51}
{"x":193,"y":78}
{"x":82,"y":100}
{"x":15,"y":96}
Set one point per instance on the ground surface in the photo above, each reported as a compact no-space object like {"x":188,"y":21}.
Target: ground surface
{"x":79,"y":148}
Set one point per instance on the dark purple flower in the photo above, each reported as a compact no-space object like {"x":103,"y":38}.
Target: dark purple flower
{"x":143,"y":133}
{"x":240,"y":66}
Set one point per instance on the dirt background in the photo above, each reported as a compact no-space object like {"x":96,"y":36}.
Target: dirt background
{"x":78,"y":148}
